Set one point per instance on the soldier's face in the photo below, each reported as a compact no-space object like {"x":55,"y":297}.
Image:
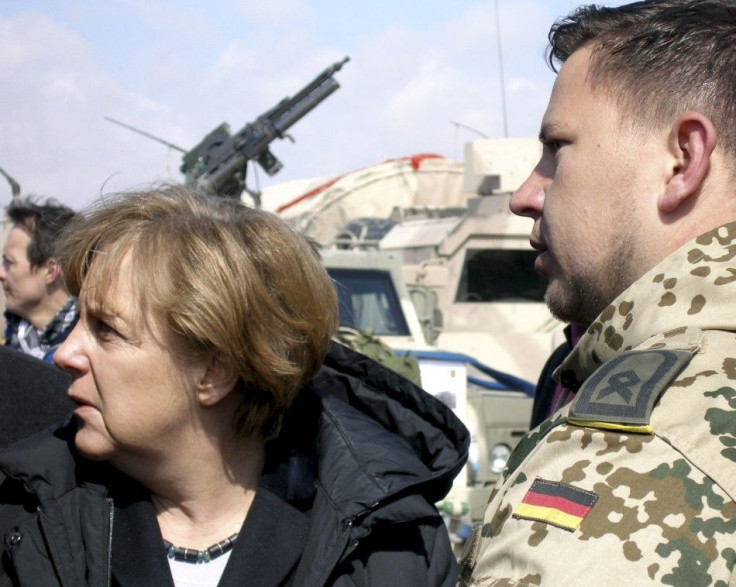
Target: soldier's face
{"x":587,"y":197}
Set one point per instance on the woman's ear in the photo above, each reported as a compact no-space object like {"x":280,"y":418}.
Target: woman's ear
{"x":692,"y":141}
{"x":218,"y":381}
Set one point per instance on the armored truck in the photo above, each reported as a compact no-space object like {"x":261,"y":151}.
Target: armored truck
{"x":428,"y":257}
{"x":494,"y":405}
{"x":449,"y":224}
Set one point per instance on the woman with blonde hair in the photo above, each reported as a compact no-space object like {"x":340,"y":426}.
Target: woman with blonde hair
{"x":219,"y":437}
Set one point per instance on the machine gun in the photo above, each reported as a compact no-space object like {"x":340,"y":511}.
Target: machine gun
{"x":14,"y":185}
{"x":219,"y":163}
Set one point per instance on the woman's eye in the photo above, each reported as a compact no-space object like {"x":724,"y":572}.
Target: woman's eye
{"x":103,"y":329}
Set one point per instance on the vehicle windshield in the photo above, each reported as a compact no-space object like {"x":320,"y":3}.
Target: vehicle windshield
{"x":500,"y":275}
{"x":368,"y":301}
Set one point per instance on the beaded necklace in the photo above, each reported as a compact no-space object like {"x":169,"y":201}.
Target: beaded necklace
{"x":192,"y":555}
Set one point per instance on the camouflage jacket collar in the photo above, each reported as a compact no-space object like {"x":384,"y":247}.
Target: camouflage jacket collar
{"x":687,"y":289}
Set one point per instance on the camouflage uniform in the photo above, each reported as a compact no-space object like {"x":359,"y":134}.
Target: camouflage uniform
{"x":634,"y":482}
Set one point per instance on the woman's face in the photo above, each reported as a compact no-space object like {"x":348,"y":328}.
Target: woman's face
{"x":134,"y":398}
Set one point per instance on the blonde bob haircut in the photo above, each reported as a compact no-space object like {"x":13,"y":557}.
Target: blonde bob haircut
{"x":224,"y":279}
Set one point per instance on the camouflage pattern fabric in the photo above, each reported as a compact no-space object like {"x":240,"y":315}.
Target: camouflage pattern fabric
{"x":366,"y":343}
{"x":634,"y":482}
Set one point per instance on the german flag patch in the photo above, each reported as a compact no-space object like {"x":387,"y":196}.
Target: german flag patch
{"x":559,"y":504}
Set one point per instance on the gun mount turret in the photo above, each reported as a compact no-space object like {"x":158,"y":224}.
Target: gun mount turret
{"x":219,"y":162}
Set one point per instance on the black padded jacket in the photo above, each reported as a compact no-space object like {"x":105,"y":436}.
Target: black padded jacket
{"x":346,"y":497}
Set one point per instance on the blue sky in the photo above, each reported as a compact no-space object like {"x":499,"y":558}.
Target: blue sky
{"x":179,"y":68}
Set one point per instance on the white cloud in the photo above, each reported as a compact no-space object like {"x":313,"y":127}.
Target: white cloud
{"x":275,"y":12}
{"x":55,"y":140}
{"x":235,"y":62}
{"x":170,"y":18}
{"x":189,"y":70}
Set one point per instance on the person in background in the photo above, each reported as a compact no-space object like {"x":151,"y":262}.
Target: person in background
{"x":633,"y":205}
{"x":219,"y":437}
{"x":40,"y":313}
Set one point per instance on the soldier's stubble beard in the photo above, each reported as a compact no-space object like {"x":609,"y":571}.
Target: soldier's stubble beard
{"x":579,"y":297}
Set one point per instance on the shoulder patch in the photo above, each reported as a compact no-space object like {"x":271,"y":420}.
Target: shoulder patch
{"x":622,"y":392}
{"x":556,"y":503}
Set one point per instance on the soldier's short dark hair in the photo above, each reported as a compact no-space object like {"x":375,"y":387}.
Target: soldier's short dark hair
{"x":44,"y":223}
{"x":659,"y":58}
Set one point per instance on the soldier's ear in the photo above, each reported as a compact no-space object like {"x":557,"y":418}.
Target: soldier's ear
{"x":691,"y":142}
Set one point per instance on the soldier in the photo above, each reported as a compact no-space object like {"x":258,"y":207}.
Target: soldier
{"x":634,"y":209}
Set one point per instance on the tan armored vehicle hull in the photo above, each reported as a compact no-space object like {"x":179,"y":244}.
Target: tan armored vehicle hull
{"x":430,"y":244}
{"x":453,"y":231}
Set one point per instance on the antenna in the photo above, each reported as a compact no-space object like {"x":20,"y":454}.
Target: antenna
{"x":145,"y":134}
{"x":500,"y":70}
{"x":470,"y":128}
{"x":458,"y":126}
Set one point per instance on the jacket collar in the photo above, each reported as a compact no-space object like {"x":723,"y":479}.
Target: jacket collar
{"x":687,"y":289}
{"x":273,"y":539}
{"x":386,"y":451}
{"x":383,"y":434}
{"x":266,"y":552}
{"x":47,"y":463}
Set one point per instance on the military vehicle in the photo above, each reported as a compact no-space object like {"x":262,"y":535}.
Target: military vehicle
{"x":450,"y":225}
{"x":427,"y":257}
{"x":494,"y":405}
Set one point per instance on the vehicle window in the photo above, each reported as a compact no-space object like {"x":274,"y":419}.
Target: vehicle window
{"x":368,"y":301}
{"x":500,"y":275}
